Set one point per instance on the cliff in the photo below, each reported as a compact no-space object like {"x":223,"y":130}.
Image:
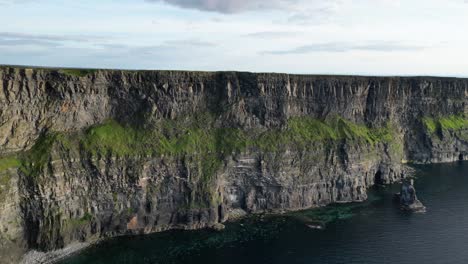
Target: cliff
{"x":89,"y":154}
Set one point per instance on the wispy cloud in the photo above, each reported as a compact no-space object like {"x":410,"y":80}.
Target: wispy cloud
{"x":41,"y":40}
{"x":316,"y":15}
{"x":292,"y":12}
{"x":170,"y":47}
{"x":9,"y":2}
{"x":26,"y":36}
{"x":271,"y":34}
{"x":19,"y":39}
{"x":346,"y":47}
{"x":71,"y":51}
{"x":229,"y":6}
{"x":188,"y":42}
{"x":22,"y":42}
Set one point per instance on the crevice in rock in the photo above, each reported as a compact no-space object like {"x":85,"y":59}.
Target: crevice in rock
{"x":220,"y":213}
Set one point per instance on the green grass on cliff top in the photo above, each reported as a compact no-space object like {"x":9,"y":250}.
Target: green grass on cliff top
{"x":77,"y":72}
{"x":451,"y":123}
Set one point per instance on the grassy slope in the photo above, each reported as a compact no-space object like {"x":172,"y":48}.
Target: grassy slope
{"x":198,"y":138}
{"x":447,"y":123}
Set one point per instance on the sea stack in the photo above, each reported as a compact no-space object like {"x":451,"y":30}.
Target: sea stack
{"x":408,"y":199}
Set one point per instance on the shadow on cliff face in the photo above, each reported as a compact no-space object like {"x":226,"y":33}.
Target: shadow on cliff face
{"x":378,"y":178}
{"x":180,"y":246}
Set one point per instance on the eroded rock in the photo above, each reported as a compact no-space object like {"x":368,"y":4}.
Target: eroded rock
{"x":408,"y":199}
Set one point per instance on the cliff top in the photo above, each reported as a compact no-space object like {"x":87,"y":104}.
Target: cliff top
{"x":81,"y":72}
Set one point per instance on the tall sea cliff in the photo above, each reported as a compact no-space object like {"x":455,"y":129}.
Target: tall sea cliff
{"x":91,"y":154}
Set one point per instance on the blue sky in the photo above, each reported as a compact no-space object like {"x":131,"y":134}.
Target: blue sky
{"x":371,"y":37}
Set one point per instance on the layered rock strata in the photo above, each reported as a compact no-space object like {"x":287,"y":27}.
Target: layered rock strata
{"x":93,"y":154}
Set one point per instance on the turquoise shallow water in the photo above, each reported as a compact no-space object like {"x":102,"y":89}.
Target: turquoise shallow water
{"x":372,"y":232}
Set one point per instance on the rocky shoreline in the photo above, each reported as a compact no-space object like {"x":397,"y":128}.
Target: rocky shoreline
{"x":36,"y":257}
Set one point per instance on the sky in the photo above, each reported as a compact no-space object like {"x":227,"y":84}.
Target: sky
{"x":367,"y":37}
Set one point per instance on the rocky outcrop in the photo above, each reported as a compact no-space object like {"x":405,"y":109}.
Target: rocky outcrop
{"x":105,"y":153}
{"x":408,"y":199}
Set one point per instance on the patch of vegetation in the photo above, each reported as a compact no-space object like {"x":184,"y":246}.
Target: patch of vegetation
{"x":111,"y":138}
{"x":446,"y":123}
{"x":34,"y":160}
{"x":7,"y":163}
{"x":84,"y":220}
{"x":430,"y":124}
{"x":77,"y":72}
{"x":303,"y":131}
{"x":130,"y":211}
{"x":453,"y":122}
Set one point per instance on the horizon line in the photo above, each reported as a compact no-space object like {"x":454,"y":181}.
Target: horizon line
{"x":237,"y":71}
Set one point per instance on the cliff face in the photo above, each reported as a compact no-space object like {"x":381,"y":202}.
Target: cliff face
{"x":87,"y":155}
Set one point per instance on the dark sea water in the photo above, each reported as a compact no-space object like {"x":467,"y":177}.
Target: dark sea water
{"x":372,"y":232}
